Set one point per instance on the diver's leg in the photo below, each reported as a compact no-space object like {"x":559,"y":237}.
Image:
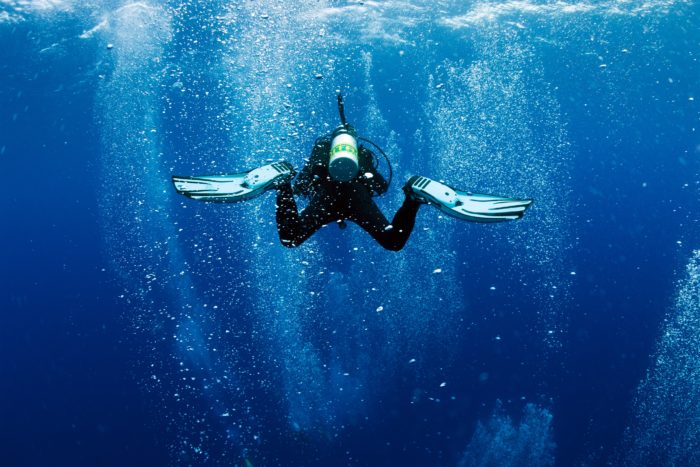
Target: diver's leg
{"x":365,"y":212}
{"x":404,"y":220}
{"x":292,"y":227}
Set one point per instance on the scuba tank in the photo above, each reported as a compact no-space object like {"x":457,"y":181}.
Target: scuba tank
{"x":343,"y":163}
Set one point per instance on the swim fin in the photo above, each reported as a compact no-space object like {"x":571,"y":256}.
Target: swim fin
{"x":463,"y":205}
{"x":235,"y":187}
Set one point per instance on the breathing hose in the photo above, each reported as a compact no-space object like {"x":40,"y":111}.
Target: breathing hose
{"x":341,"y":113}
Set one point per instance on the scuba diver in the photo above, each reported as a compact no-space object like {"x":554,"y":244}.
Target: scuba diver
{"x":340,"y":179}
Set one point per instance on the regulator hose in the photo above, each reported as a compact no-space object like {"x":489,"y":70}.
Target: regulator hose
{"x":341,"y":110}
{"x":341,"y":113}
{"x":381,"y":151}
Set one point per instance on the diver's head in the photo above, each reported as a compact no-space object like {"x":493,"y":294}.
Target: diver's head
{"x":343,"y":164}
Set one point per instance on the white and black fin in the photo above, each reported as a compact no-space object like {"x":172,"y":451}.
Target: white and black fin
{"x":234,"y":187}
{"x":464,"y":205}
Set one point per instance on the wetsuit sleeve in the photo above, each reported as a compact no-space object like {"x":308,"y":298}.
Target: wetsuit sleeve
{"x":304,"y":184}
{"x":376,"y":183}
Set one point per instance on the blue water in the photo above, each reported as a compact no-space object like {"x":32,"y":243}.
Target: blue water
{"x":143,"y":328}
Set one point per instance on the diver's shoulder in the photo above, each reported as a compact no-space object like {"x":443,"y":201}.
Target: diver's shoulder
{"x":323,"y":139}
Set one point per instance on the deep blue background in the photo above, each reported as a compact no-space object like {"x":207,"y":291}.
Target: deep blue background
{"x":70,"y":379}
{"x":69,"y":393}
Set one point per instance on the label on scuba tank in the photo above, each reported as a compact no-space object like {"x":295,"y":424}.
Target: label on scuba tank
{"x":343,"y":164}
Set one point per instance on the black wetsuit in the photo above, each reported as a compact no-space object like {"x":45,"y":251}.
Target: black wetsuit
{"x":333,"y":201}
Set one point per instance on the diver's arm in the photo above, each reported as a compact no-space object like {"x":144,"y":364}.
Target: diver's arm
{"x":375,"y":181}
{"x":304,"y":183}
